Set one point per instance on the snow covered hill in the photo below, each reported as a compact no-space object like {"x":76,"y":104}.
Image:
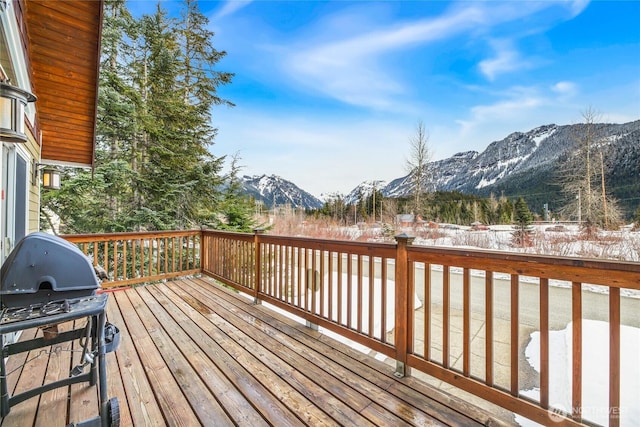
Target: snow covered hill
{"x":273,"y":191}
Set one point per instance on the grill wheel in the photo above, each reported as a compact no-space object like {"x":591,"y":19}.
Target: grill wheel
{"x":113,"y":409}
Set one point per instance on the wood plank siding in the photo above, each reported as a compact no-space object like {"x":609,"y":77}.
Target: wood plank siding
{"x":64,"y":54}
{"x":195,"y":353}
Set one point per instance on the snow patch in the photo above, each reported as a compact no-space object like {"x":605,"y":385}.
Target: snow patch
{"x":595,"y":375}
{"x":538,"y":139}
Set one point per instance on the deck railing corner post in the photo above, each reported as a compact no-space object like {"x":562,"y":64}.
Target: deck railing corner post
{"x":402,"y":302}
{"x":257,"y":283}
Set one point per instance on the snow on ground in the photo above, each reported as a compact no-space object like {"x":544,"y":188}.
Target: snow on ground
{"x":623,"y":245}
{"x":595,"y":374}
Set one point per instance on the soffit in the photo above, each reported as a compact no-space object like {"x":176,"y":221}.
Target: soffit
{"x":64,"y":55}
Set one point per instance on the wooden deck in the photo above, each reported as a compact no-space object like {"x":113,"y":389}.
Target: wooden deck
{"x":194,"y":353}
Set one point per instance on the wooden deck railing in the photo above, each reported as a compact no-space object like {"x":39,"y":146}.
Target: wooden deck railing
{"x":461,"y":316}
{"x":130,"y":258}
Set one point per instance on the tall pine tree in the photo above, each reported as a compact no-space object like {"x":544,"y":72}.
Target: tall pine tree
{"x":154,"y":170}
{"x":523,"y":218}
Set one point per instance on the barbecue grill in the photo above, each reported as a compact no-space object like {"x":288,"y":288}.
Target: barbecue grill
{"x":43,"y":268}
{"x":46,"y":281}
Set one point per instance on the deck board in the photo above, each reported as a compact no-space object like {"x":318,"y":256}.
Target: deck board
{"x":51,"y":413}
{"x":195,"y":353}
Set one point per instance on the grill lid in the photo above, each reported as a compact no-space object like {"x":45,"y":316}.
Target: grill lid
{"x":43,"y":267}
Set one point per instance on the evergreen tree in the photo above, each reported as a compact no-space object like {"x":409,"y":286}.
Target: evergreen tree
{"x":236,"y":210}
{"x":153,"y":166}
{"x":523,"y":218}
{"x":99,"y":201}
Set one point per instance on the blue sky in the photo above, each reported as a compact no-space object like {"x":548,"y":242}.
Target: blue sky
{"x":328,"y":94}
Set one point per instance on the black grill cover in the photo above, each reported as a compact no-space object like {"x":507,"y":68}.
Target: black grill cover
{"x":43,"y":268}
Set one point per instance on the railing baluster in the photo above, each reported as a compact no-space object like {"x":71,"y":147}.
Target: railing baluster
{"x":410,"y":295}
{"x":371,"y":294}
{"x":257,"y":250}
{"x":544,"y":342}
{"x":281,"y":273}
{"x":427,"y":311}
{"x":321,"y":282}
{"x":488,"y":332}
{"x":115,"y":258}
{"x":287,"y":283}
{"x":614,"y":357}
{"x":331,"y":283}
{"x":165,"y":252}
{"x":151,"y":251}
{"x":172,"y":254}
{"x":349,"y":289}
{"x":306,"y":258}
{"x":576,"y":388}
{"x":105,"y":256}
{"x":515,"y":341}
{"x":383,"y":291}
{"x":314,"y":257}
{"x":466,"y":322}
{"x":299,"y":267}
{"x":125,"y":273}
{"x":96,"y":261}
{"x":360,"y":277}
{"x":445,"y":315}
{"x":340,"y":266}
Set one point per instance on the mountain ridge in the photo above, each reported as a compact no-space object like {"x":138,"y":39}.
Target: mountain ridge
{"x":522,"y":163}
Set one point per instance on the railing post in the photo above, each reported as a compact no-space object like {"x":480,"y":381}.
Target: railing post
{"x":204,"y":251}
{"x":258,"y":265}
{"x":402,"y":302}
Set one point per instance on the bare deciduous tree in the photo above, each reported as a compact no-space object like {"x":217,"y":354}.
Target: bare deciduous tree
{"x":418,"y":167}
{"x":583,"y":177}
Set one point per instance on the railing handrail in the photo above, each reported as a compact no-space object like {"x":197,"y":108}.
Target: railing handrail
{"x":103,"y":237}
{"x":614,"y":272}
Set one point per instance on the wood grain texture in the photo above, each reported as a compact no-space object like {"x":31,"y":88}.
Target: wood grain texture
{"x":64,"y":50}
{"x":195,"y":353}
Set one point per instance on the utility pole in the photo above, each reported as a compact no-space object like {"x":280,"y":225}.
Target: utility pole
{"x":546,"y":211}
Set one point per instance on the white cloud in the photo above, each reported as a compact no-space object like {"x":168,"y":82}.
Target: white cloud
{"x":577,"y":6}
{"x":565,"y":89}
{"x":507,"y":109}
{"x":519,"y":108}
{"x":506,"y":59}
{"x":230,"y":7}
{"x":353,"y":71}
{"x":354,"y":68}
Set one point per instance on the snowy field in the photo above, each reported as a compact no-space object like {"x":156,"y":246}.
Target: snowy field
{"x":623,"y":245}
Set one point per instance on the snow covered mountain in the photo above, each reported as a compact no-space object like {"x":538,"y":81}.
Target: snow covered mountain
{"x":526,"y":163}
{"x":275,"y":191}
{"x":523,"y":163}
{"x":363,"y":191}
{"x":444,"y":172}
